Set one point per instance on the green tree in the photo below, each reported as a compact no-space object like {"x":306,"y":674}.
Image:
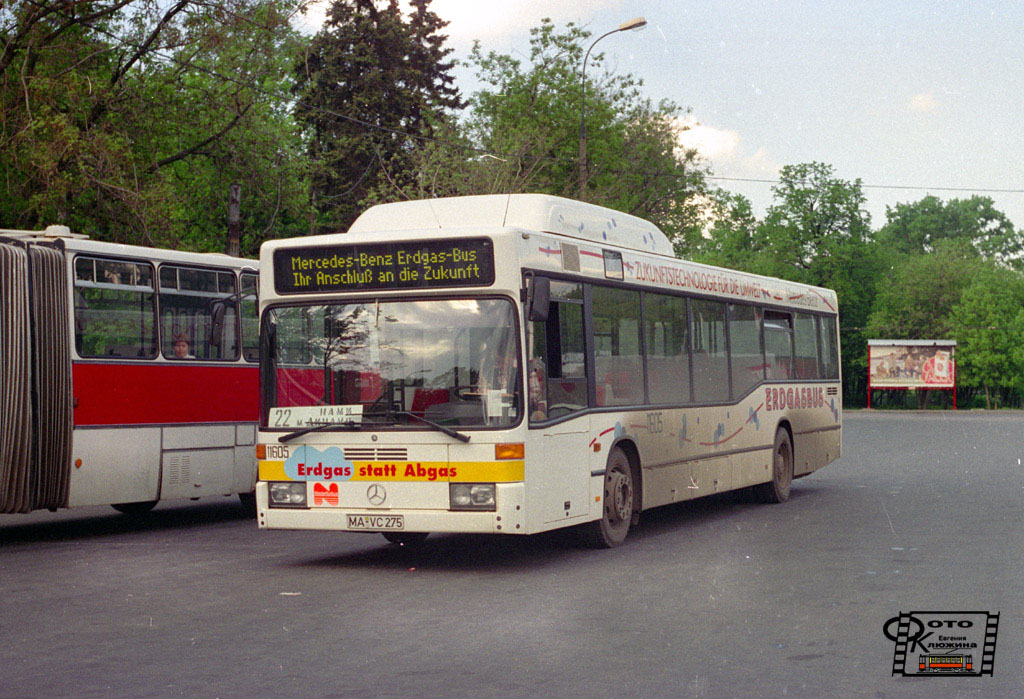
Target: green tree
{"x":918,"y":227}
{"x":729,"y":241}
{"x":116,"y":114}
{"x":988,"y":324}
{"x":371,"y":84}
{"x":521,"y":134}
{"x":529,"y":114}
{"x":814,"y":219}
{"x":916,"y":299}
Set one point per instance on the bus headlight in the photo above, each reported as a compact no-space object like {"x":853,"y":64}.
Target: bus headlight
{"x":471,"y":496}
{"x":287,"y":494}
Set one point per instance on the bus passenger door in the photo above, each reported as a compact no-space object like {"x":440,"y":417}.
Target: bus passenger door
{"x":562,"y":473}
{"x":558,"y":481}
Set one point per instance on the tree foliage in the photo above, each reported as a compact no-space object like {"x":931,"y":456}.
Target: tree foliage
{"x":918,"y":228}
{"x":521,"y":134}
{"x":116,"y":113}
{"x":917,"y":297}
{"x":988,"y":323}
{"x":371,"y":84}
{"x":953,"y":276}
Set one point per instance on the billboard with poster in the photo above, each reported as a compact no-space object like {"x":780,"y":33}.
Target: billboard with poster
{"x":911,"y":364}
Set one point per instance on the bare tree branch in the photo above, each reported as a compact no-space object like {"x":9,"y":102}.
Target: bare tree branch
{"x":198,"y":146}
{"x":144,"y":47}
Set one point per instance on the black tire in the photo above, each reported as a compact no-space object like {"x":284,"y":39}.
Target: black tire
{"x":777,"y":489}
{"x":406,"y":538}
{"x":619,"y":504}
{"x":248,"y":501}
{"x":135,"y":509}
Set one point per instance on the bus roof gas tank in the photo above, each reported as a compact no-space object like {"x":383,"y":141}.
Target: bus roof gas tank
{"x":533,"y":212}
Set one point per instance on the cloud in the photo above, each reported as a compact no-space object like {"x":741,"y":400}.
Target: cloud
{"x":499,"y":21}
{"x":734,"y":168}
{"x":713,"y":144}
{"x":492,"y":23}
{"x":725,"y":150}
{"x":923,"y":102}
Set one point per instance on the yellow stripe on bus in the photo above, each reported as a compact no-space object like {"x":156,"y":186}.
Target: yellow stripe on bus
{"x":421,"y":471}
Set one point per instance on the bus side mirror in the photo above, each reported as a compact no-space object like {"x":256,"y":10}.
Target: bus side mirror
{"x":538,"y":299}
{"x":217,"y":324}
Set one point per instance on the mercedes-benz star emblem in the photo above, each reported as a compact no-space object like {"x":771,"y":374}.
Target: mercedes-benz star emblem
{"x":376,"y":494}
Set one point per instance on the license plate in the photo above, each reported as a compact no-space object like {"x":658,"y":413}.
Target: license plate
{"x":376,"y":522}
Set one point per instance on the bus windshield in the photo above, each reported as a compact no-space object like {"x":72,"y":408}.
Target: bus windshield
{"x":387,"y":362}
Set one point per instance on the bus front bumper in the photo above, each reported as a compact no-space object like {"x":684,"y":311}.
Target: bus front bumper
{"x":507,"y":519}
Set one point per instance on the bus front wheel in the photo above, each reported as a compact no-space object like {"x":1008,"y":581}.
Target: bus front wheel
{"x":777,"y":489}
{"x":618,"y":504}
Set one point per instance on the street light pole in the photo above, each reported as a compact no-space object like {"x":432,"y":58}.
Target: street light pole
{"x":635,"y":23}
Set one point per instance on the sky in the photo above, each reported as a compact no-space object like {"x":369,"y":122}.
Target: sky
{"x":912,"y":98}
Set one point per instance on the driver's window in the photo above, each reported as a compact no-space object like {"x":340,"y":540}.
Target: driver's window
{"x":557,"y":382}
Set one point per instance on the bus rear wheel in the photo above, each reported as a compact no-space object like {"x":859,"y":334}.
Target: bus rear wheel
{"x":618,"y":505}
{"x":135,"y":509}
{"x":777,"y":489}
{"x":406,"y":538}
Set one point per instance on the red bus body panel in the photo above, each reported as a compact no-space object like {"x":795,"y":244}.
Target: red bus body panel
{"x":163,"y":394}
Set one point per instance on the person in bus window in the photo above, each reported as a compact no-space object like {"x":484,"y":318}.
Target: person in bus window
{"x":182,"y":346}
{"x":537,"y":388}
{"x":501,"y":376}
{"x":497,"y":385}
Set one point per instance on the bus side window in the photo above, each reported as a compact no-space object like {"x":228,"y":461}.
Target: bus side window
{"x":805,"y":342}
{"x":746,"y":354}
{"x":250,"y":318}
{"x":618,"y":364}
{"x":710,"y":353}
{"x":115,"y":312}
{"x":829,"y":348}
{"x":778,"y":345}
{"x":668,"y":349}
{"x":187,"y":297}
{"x":557,"y":380}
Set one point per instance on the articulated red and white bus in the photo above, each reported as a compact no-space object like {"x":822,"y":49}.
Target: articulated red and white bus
{"x":128,"y":375}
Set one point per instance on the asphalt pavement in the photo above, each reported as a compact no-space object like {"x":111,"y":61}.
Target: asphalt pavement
{"x":715,"y":598}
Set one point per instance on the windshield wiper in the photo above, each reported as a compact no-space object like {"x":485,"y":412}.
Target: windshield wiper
{"x":462,"y":437}
{"x":437,"y":426}
{"x":320,"y":427}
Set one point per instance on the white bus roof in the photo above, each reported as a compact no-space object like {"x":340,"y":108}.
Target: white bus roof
{"x":53,"y":231}
{"x":533,"y":212}
{"x":78,"y":242}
